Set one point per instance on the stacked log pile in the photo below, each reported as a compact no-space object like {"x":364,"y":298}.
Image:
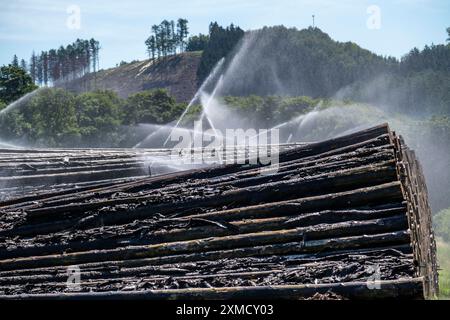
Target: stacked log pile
{"x":31,"y":171}
{"x":347,"y":217}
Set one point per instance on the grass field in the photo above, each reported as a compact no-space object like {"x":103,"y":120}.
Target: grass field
{"x":444,"y":272}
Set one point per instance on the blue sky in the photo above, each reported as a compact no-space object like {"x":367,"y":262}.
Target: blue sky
{"x":122,"y":26}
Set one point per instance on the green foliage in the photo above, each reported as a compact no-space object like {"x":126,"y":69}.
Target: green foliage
{"x":221,"y":42}
{"x":155,"y":106}
{"x":13,"y":125}
{"x":434,"y":57}
{"x":14,"y":83}
{"x":15,"y":61}
{"x":280,"y":60}
{"x":270,"y":110}
{"x":197,"y":43}
{"x":301,"y":62}
{"x":99,"y":117}
{"x":57,"y":118}
{"x":294,"y":106}
{"x":443,"y":255}
{"x":52,"y":117}
{"x":441,"y":223}
{"x":165,"y":40}
{"x":65,"y":63}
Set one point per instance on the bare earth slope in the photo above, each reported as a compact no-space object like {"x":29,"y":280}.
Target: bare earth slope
{"x":176,"y":73}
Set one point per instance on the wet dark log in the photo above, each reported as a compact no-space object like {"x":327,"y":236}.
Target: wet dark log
{"x":387,"y":289}
{"x":32,"y":199}
{"x":98,"y":270}
{"x":72,"y":177}
{"x":199,"y":248}
{"x":343,"y":180}
{"x":242,"y":179}
{"x":277,"y":266}
{"x":388,"y":194}
{"x":328,"y":228}
{"x":332,"y":211}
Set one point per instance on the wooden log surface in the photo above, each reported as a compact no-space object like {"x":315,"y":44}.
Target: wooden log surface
{"x":333,"y":209}
{"x":388,"y":289}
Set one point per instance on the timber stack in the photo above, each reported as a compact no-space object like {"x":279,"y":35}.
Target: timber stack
{"x":345,"y":218}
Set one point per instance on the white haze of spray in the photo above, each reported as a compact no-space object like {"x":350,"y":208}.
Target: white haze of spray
{"x":163,"y":129}
{"x":155,"y":130}
{"x":235,"y":67}
{"x":319,"y":124}
{"x":215,"y":114}
{"x":326,"y":123}
{"x":19,"y":101}
{"x":341,"y":120}
{"x":8,"y":145}
{"x":211,"y":77}
{"x":433,"y":151}
{"x":14,"y":105}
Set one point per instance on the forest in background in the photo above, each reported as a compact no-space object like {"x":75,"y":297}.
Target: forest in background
{"x":311,"y":65}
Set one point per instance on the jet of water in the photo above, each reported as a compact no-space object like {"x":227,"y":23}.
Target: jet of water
{"x":161,"y":128}
{"x":206,"y":103}
{"x":7,"y":145}
{"x":202,"y":88}
{"x":19,"y":101}
{"x":154,"y":133}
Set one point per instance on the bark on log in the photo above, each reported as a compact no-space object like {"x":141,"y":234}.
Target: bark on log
{"x":387,"y":289}
{"x":330,"y":229}
{"x":203,"y":247}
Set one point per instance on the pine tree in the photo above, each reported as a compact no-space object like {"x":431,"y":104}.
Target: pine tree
{"x":40,"y":69}
{"x":62,"y":65}
{"x":182,"y":33}
{"x":53,"y":65}
{"x":87,"y":56}
{"x":94,"y":47}
{"x":151,"y":46}
{"x":23,"y":65}
{"x":33,"y":67}
{"x":173,"y":40}
{"x":45,"y":73}
{"x":197,"y":43}
{"x":166,"y":38}
{"x":15,"y":61}
{"x":65,"y":63}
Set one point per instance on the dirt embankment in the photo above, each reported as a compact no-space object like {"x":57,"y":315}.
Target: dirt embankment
{"x":176,"y":73}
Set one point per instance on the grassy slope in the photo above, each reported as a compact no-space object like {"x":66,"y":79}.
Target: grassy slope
{"x":444,"y":272}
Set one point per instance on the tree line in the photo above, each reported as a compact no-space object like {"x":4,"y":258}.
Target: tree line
{"x":56,"y":117}
{"x":15,"y":82}
{"x":167,"y":37}
{"x":62,"y":64}
{"x":219,"y":43}
{"x":311,"y":63}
